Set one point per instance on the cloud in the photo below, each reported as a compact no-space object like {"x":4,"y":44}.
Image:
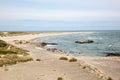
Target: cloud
{"x":15,"y":12}
{"x":41,"y":14}
{"x":113,"y":3}
{"x":65,"y":4}
{"x":75,"y":1}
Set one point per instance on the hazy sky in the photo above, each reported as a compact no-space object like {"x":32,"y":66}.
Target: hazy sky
{"x":38,"y":15}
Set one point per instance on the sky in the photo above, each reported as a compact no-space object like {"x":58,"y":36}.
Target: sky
{"x":59,"y":15}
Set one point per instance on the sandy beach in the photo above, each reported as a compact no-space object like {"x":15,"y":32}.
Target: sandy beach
{"x":50,"y":67}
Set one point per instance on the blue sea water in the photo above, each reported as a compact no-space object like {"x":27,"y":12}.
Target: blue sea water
{"x":104,"y":42}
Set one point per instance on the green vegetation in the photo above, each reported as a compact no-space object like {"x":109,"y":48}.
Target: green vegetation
{"x":10,"y":59}
{"x":7,"y":52}
{"x":73,"y":60}
{"x":10,"y":54}
{"x":63,"y":58}
{"x":16,"y":33}
{"x":84,"y":67}
{"x":70,"y":60}
{"x":2,"y":34}
{"x":19,"y":50}
{"x":6,"y":48}
{"x":59,"y":78}
{"x":109,"y":78}
{"x":2,"y":43}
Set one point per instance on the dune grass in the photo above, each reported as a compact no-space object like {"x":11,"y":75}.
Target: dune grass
{"x":10,"y":54}
{"x":2,"y":43}
{"x":10,"y":59}
{"x":6,"y":48}
{"x":7,"y":52}
{"x":16,"y":33}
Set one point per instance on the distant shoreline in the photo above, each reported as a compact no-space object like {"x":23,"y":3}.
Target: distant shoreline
{"x":34,"y":36}
{"x":62,"y":31}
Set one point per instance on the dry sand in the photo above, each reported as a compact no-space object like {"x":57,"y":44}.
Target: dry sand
{"x":50,"y":67}
{"x":108,"y":65}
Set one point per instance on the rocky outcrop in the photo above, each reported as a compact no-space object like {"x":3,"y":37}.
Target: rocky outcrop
{"x":113,"y":54}
{"x":55,"y":50}
{"x":39,"y":44}
{"x":52,"y":49}
{"x":51,"y":43}
{"x":84,"y":41}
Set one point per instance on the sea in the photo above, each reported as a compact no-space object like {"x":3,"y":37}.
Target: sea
{"x":104,"y":42}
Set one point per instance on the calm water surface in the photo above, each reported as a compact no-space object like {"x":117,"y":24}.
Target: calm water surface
{"x":104,"y":42}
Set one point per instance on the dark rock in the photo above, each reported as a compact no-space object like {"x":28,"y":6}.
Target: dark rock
{"x":84,"y":41}
{"x":43,"y":44}
{"x":40,"y":44}
{"x":52,"y":49}
{"x":55,"y":50}
{"x":113,"y":54}
{"x":48,"y":49}
{"x":21,"y":42}
{"x":71,"y":52}
{"x":51,"y":43}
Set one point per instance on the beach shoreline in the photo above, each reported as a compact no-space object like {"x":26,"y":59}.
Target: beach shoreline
{"x":94,"y":61}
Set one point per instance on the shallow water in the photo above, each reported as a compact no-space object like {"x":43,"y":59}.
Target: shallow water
{"x":104,"y":42}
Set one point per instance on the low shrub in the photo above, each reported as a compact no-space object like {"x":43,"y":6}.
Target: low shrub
{"x":59,"y":78}
{"x":84,"y":67}
{"x":109,"y":78}
{"x":73,"y":60}
{"x":63,"y":58}
{"x":6,"y":69}
{"x":3,"y":43}
{"x":38,"y":59}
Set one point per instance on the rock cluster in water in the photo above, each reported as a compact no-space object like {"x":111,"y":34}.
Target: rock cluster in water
{"x":84,"y":41}
{"x":55,"y":50}
{"x":113,"y":54}
{"x":51,"y":43}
